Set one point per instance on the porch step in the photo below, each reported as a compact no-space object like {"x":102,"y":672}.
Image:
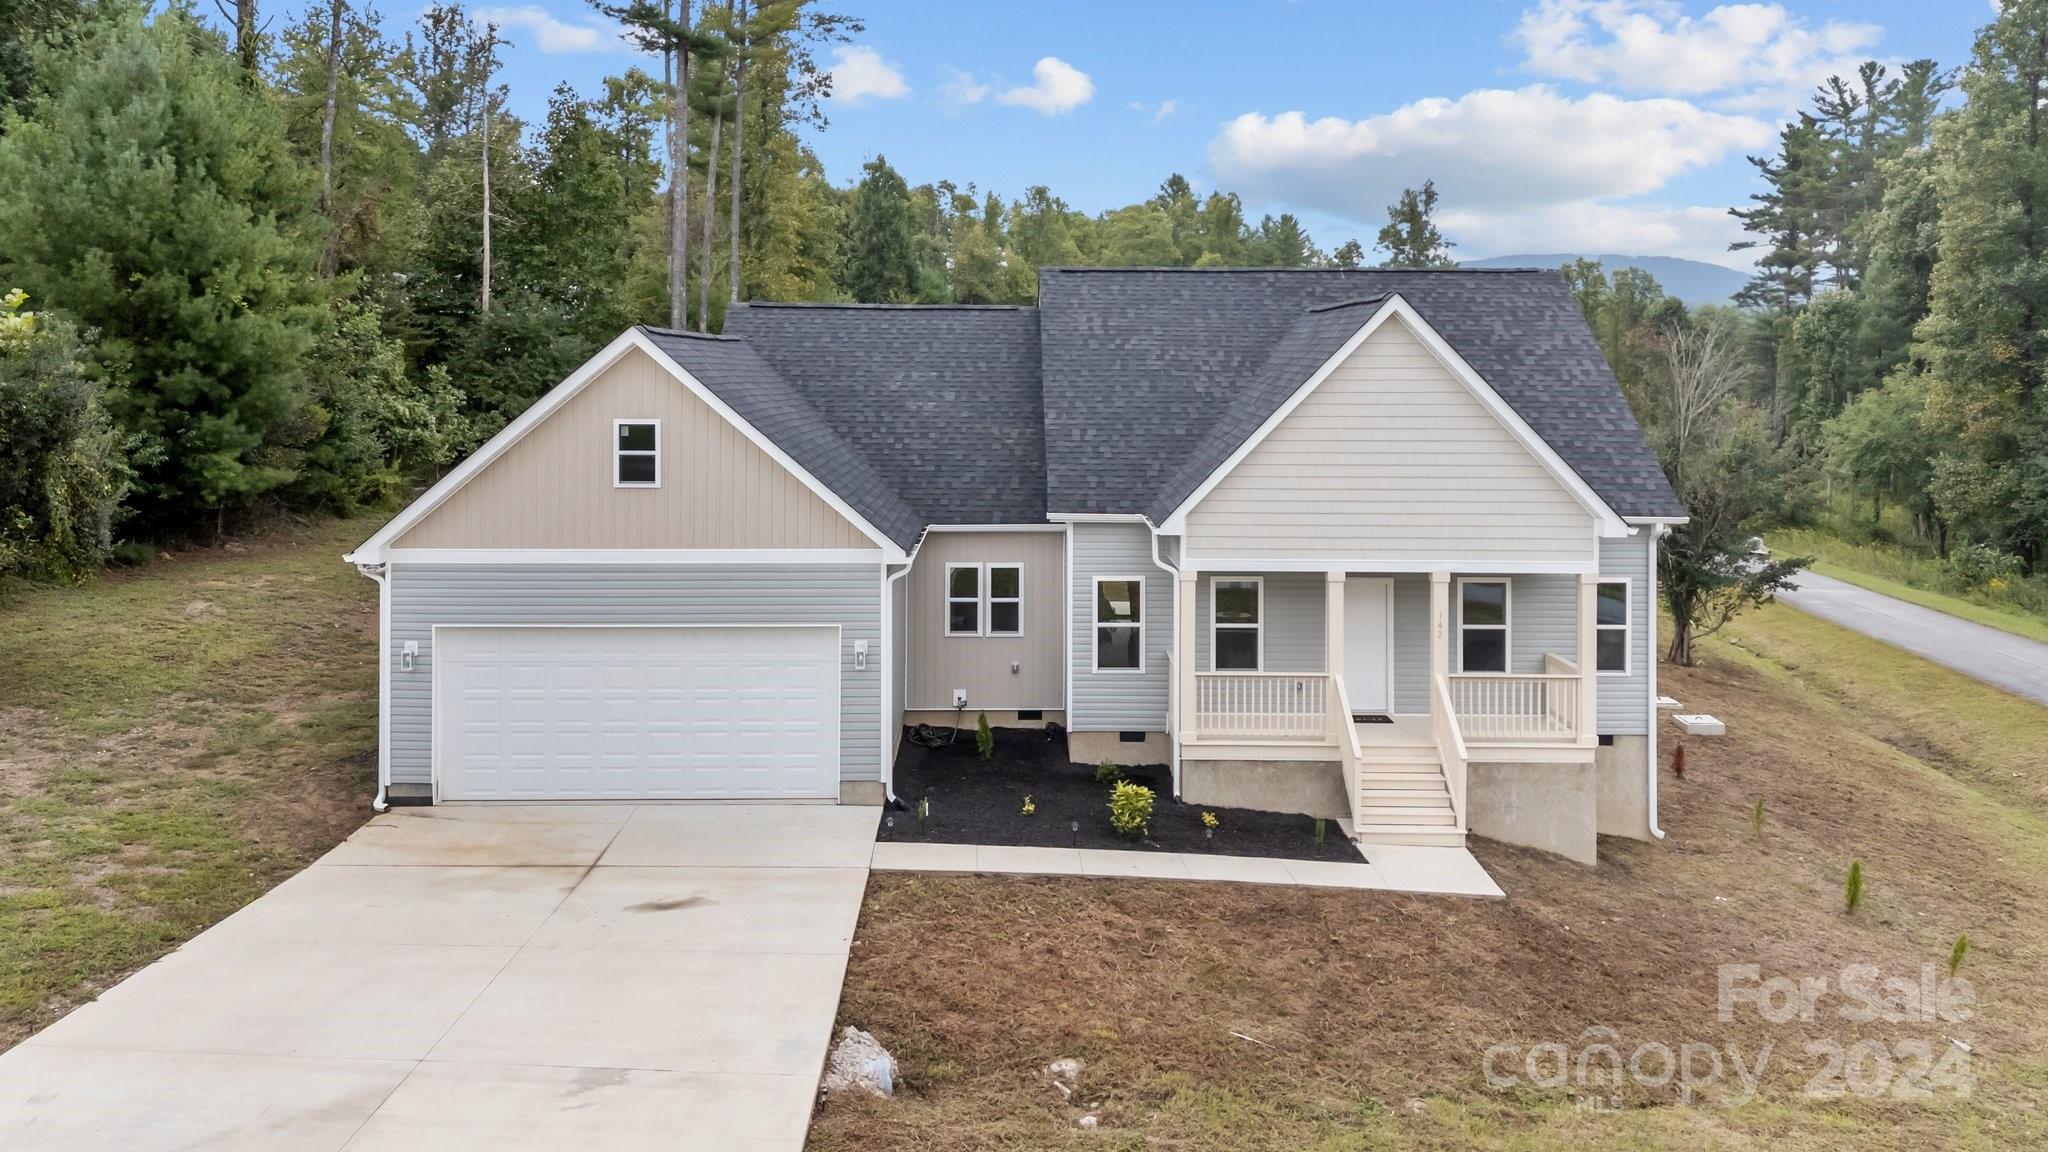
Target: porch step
{"x":1382,"y":753}
{"x":1404,"y":834}
{"x":1418,"y":797}
{"x":1372,"y":815}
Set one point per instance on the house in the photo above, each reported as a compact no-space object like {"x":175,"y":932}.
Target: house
{"x":1371,"y":545}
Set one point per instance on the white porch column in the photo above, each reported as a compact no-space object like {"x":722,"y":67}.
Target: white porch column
{"x":1184,"y":652}
{"x":1439,"y":627}
{"x":1589,"y":657}
{"x":1333,"y":623}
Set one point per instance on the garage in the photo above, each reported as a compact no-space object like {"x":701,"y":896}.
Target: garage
{"x":636,"y":713}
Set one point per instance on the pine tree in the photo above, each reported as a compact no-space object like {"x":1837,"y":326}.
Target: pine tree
{"x":880,"y":267}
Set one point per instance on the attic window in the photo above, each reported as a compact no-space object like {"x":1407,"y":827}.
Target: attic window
{"x":636,"y":453}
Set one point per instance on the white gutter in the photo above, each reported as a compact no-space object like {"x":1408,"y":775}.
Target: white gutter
{"x":896,"y":692}
{"x":1173,"y":671}
{"x":1659,"y":530}
{"x":381,"y":573}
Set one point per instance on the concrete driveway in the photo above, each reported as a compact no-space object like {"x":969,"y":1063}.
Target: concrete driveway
{"x":470,"y":977}
{"x":1999,"y":658}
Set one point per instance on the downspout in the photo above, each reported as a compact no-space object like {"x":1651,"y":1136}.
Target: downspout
{"x":1173,"y":672}
{"x":896,"y":693}
{"x":381,"y":573}
{"x":1655,"y":531}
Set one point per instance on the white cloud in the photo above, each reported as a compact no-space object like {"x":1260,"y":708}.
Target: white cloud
{"x":550,"y":35}
{"x":1157,"y":112}
{"x":1746,"y":55}
{"x":1495,"y":148}
{"x":1057,"y":87}
{"x":1518,"y":170}
{"x":963,"y":89}
{"x":859,"y":73}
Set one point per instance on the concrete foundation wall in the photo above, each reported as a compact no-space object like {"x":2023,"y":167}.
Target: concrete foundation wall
{"x":1552,"y":807}
{"x":1095,"y":747}
{"x":997,"y":718}
{"x":862,"y":792}
{"x":1313,"y":788}
{"x":1622,"y":787}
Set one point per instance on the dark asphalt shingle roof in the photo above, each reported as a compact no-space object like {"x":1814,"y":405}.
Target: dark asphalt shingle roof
{"x":1140,"y":365}
{"x":943,"y":400}
{"x":1125,"y":388}
{"x":740,"y":377}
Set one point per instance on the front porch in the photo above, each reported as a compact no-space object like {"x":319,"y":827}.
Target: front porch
{"x":1392,"y":705}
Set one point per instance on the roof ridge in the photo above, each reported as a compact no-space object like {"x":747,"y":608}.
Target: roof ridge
{"x":1377,"y":298}
{"x":850,"y":305}
{"x":1254,"y":269}
{"x":657,"y":330}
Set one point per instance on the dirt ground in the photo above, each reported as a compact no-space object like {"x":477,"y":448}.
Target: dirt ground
{"x":1216,"y":1016}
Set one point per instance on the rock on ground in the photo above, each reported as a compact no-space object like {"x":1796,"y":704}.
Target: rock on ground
{"x":859,"y":1063}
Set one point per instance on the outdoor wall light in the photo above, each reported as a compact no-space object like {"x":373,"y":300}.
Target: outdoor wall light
{"x":409,"y":656}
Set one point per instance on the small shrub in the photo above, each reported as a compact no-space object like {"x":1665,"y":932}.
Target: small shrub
{"x":1029,"y":807}
{"x":1852,"y":888}
{"x":1322,"y":830}
{"x":1678,"y":761}
{"x":1130,"y":809}
{"x":1981,"y":566}
{"x":1107,"y":773}
{"x":1956,"y":954}
{"x":924,"y":814}
{"x":984,"y":738}
{"x":1209,"y":820}
{"x":1756,"y":819}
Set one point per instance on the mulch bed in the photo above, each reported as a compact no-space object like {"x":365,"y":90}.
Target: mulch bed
{"x":976,"y":801}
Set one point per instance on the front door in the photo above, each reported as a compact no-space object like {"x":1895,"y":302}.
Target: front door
{"x":1368,"y":640}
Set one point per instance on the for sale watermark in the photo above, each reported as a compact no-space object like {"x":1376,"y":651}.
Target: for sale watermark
{"x":1600,"y":1070}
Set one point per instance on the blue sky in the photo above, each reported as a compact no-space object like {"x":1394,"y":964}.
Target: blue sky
{"x":1548,"y":125}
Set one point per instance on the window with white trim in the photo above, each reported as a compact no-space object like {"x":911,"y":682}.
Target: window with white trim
{"x":1611,"y":627}
{"x":1237,"y":611}
{"x":963,"y":599}
{"x":636,"y":453}
{"x":1483,"y":625}
{"x":1005,"y":599}
{"x":1119,"y":623}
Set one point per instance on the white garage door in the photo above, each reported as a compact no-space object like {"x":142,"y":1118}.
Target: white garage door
{"x":636,"y":713}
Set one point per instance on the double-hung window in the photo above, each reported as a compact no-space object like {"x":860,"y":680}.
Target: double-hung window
{"x":963,"y":599}
{"x":984,"y":599}
{"x":1119,"y":624}
{"x":1611,"y":627}
{"x":636,"y":453}
{"x":1237,"y":610}
{"x":1482,"y":625}
{"x":1005,"y":600}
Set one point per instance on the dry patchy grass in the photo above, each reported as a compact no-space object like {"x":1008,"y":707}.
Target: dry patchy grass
{"x":1373,"y":1013}
{"x":173,"y":742}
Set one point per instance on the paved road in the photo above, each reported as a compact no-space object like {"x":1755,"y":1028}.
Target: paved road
{"x":482,"y":979}
{"x":1999,"y":658}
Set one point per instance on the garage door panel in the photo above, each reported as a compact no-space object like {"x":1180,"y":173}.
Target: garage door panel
{"x":649,"y":713}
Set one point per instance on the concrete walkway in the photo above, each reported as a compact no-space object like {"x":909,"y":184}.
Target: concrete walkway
{"x":1385,"y":868}
{"x":1996,"y":657}
{"x":482,"y":977}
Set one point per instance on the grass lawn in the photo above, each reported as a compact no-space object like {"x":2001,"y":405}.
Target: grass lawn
{"x":1370,"y":1015}
{"x":174,"y":741}
{"x":1899,"y":573}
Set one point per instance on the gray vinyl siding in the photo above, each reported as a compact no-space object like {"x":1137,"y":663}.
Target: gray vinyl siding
{"x":1411,"y":644}
{"x":423,"y":596}
{"x":1624,"y":701}
{"x":1294,"y":604}
{"x":1119,"y":701}
{"x":1543,"y":618}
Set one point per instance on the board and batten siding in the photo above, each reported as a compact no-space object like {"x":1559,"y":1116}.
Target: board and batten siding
{"x":981,"y":664}
{"x":1292,"y":630}
{"x":1392,"y":461}
{"x":423,"y":596}
{"x":1120,"y":701}
{"x":554,"y":488}
{"x":1624,"y":701}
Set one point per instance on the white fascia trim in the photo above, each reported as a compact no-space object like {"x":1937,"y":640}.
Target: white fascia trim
{"x":1477,"y":566}
{"x":1658,"y":519}
{"x":997,"y":528}
{"x":1606,"y":523}
{"x":802,"y":556}
{"x":1097,"y":518}
{"x":372,"y":550}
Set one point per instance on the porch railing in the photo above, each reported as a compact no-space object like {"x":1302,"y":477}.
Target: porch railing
{"x":1350,"y":758}
{"x":1494,"y":707}
{"x":1262,"y":706}
{"x":1450,"y":746}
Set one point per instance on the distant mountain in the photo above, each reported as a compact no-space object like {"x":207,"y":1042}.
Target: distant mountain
{"x":1694,"y":281}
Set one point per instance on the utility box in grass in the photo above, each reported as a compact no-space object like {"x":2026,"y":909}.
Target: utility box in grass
{"x":1699,"y":724}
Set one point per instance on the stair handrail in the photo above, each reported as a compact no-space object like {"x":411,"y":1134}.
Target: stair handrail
{"x":1450,"y":747}
{"x":1348,"y":751}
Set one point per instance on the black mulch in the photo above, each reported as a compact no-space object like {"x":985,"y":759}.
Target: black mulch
{"x":975,"y":801}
